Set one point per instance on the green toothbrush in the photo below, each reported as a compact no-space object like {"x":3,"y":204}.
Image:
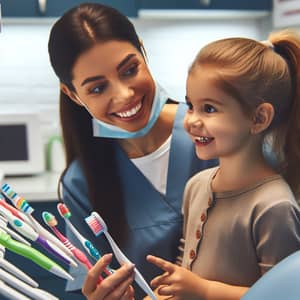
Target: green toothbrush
{"x":34,"y":255}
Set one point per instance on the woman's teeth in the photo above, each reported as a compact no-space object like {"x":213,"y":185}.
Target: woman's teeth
{"x":131,"y":112}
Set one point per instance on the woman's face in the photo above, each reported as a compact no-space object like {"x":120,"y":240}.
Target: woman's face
{"x":114,"y":83}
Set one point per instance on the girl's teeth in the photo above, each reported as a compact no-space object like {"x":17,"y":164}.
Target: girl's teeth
{"x":131,"y":112}
{"x":202,"y":139}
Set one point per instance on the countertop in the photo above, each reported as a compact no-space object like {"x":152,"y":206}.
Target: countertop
{"x":41,"y":187}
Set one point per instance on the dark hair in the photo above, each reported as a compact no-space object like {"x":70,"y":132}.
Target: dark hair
{"x":254,"y":72}
{"x":78,"y":30}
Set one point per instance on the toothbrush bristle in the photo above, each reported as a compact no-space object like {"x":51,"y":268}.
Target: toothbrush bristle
{"x":94,"y":225}
{"x":63,"y":210}
{"x":18,"y":201}
{"x":49,"y":219}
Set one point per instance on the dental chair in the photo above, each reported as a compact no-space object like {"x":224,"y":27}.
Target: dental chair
{"x":282,"y":282}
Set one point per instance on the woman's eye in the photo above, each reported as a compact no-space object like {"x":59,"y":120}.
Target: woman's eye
{"x":98,"y":89}
{"x":209,"y":108}
{"x":130,"y":71}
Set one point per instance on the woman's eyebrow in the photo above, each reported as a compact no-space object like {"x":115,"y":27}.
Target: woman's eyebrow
{"x":125,"y":60}
{"x":91,"y":79}
{"x":119,"y":66}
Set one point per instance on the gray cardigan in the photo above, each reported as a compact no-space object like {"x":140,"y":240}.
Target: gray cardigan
{"x":236,"y":236}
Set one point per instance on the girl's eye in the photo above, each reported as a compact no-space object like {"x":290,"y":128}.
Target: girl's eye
{"x":190,"y":105}
{"x":209,"y":108}
{"x":131,"y":70}
{"x":98,"y":89}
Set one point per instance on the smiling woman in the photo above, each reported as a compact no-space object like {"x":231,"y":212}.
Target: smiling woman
{"x":112,"y":87}
{"x":121,"y":134}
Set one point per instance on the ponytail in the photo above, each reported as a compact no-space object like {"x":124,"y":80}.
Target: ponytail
{"x":287,"y":134}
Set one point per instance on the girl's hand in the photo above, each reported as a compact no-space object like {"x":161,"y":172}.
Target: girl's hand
{"x":116,"y":286}
{"x":177,"y":282}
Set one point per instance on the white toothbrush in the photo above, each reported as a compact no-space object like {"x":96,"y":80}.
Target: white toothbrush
{"x":22,"y":204}
{"x":98,"y":226}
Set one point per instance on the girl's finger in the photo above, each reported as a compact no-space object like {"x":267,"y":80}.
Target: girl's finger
{"x":159,"y":280}
{"x":161,"y":263}
{"x":165,"y":290}
{"x":93,"y":274}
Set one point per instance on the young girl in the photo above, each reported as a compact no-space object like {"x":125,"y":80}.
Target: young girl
{"x":241,"y":217}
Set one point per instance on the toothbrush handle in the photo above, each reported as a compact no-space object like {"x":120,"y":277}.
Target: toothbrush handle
{"x":78,"y":254}
{"x":123,"y":259}
{"x":88,"y":246}
{"x":52,"y":249}
{"x":139,"y":279}
{"x":47,"y":235}
{"x":96,"y":255}
{"x":91,"y":250}
{"x":81,"y":257}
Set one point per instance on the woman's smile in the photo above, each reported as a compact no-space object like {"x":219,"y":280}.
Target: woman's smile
{"x":134,"y":111}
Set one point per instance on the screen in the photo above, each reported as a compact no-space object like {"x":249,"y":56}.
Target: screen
{"x":13,"y":143}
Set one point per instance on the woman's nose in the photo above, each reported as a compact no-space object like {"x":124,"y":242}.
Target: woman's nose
{"x":122,"y":92}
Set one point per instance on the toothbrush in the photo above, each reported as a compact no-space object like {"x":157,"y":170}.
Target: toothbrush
{"x":32,"y":235}
{"x":24,"y":206}
{"x":34,"y":293}
{"x":10,"y":267}
{"x":98,"y":226}
{"x":11,"y":232}
{"x":11,"y":293}
{"x":34,"y":255}
{"x":4,"y":264}
{"x":88,"y":246}
{"x":14,"y":211}
{"x":51,"y":221}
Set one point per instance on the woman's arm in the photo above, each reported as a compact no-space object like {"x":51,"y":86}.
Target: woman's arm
{"x":180,"y":283}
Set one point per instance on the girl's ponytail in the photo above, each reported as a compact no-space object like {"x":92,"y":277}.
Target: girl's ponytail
{"x":287,"y":135}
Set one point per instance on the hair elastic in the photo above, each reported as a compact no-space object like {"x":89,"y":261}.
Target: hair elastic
{"x":268,"y":44}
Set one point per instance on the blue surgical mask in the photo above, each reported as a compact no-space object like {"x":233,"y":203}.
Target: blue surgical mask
{"x":102,"y":129}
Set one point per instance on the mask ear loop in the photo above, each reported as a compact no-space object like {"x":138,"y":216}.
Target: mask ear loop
{"x":83,"y":104}
{"x":143,"y":51}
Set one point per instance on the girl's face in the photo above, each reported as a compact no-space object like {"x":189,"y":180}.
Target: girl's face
{"x":214,"y":120}
{"x":114,"y":83}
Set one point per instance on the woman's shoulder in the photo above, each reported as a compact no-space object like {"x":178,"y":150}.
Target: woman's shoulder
{"x":73,"y":174}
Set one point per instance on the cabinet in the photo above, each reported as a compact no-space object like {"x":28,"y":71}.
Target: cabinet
{"x":55,"y":8}
{"x":206,"y":4}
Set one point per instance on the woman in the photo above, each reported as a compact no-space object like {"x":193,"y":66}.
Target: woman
{"x":128,"y":157}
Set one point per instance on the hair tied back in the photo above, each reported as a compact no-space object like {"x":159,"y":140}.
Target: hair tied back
{"x":268,"y":44}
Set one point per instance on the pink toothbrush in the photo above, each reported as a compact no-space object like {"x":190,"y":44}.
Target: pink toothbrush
{"x":51,"y":221}
{"x":88,"y":246}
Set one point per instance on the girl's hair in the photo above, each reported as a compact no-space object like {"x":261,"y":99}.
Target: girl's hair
{"x":77,"y":31}
{"x":255,"y":72}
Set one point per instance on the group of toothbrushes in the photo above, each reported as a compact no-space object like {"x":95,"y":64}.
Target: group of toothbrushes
{"x":20,"y":218}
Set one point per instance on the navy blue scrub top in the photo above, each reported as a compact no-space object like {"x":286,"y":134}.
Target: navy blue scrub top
{"x":154,"y":219}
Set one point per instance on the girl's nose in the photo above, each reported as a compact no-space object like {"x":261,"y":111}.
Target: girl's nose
{"x":193,"y":121}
